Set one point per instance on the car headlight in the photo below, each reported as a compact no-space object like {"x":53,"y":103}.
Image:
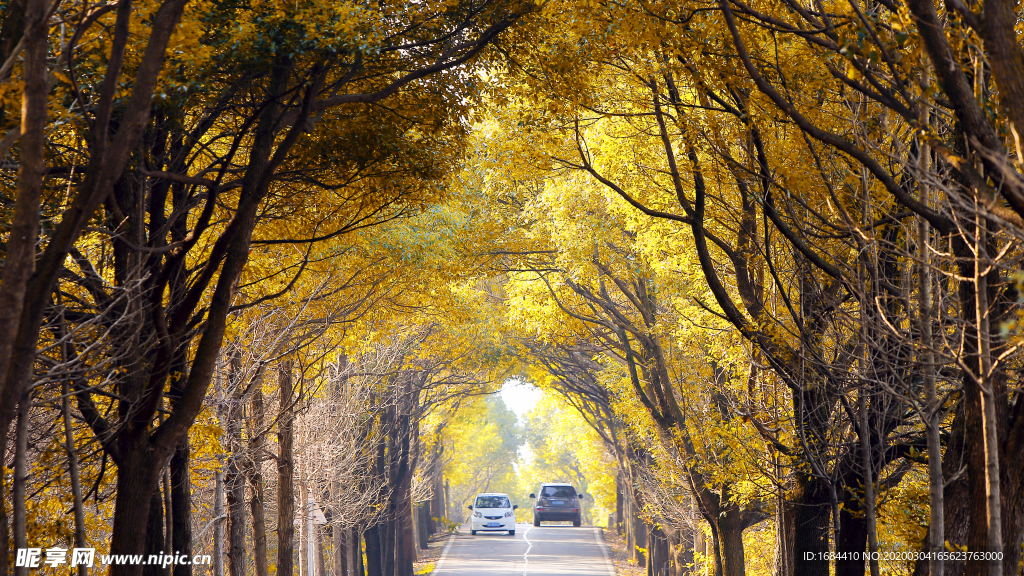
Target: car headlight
{"x":509,"y":514}
{"x":477,"y":515}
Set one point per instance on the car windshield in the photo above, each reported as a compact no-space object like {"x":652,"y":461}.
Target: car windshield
{"x":558,"y":492}
{"x":492,"y":502}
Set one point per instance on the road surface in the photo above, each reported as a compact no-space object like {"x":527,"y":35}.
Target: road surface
{"x":543,"y":551}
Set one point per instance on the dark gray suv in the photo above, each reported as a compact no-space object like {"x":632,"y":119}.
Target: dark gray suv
{"x":557,"y":502}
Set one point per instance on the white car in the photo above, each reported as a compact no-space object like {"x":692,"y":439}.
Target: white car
{"x":492,"y":512}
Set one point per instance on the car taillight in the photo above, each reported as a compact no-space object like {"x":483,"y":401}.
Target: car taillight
{"x":575,"y":509}
{"x":540,"y":509}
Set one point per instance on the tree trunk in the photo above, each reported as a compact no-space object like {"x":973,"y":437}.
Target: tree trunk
{"x":339,"y":537}
{"x":155,"y":532}
{"x":20,"y":478}
{"x":730,"y":536}
{"x":437,"y":506}
{"x":853,"y":531}
{"x":234,"y":478}
{"x":285,"y":475}
{"x":20,"y":249}
{"x":76,"y":483}
{"x":784,"y":531}
{"x":811,"y":520}
{"x":138,"y":473}
{"x":700,"y":544}
{"x":618,"y":504}
{"x":987,"y":390}
{"x":356,"y":552}
{"x":181,"y":507}
{"x":339,"y":542}
{"x":257,"y":440}
{"x":639,"y":537}
{"x":218,"y":527}
{"x":422,"y":514}
{"x":321,"y":564}
{"x":374,"y":557}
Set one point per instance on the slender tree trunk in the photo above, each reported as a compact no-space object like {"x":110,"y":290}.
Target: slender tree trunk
{"x":869,"y":486}
{"x":987,"y":386}
{"x":4,"y":529}
{"x":618,"y":504}
{"x":304,"y":528}
{"x":932,"y":412}
{"x":20,"y":478}
{"x":356,"y":552}
{"x":784,"y":533}
{"x":257,"y":440}
{"x":76,"y":480}
{"x":234,"y":477}
{"x":218,"y":527}
{"x":437,"y":506}
{"x":321,"y":564}
{"x":339,"y":536}
{"x":285,"y":475}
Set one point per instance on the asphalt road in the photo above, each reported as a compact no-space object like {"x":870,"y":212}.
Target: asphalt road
{"x":543,"y":551}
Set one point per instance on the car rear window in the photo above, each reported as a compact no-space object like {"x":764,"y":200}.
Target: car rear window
{"x":558,"y":492}
{"x":492,"y":502}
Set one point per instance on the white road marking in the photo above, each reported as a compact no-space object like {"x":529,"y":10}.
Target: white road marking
{"x":604,"y":552}
{"x":444,"y":554}
{"x":529,"y":545}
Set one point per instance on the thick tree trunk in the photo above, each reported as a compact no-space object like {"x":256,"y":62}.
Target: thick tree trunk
{"x":811,"y":526}
{"x":155,"y":533}
{"x":639,"y":531}
{"x":730,"y":536}
{"x":20,"y":248}
{"x":374,"y":557}
{"x":406,"y":545}
{"x":181,"y":507}
{"x":285,"y":475}
{"x":422,"y":515}
{"x":853,"y":532}
{"x":137,"y":476}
